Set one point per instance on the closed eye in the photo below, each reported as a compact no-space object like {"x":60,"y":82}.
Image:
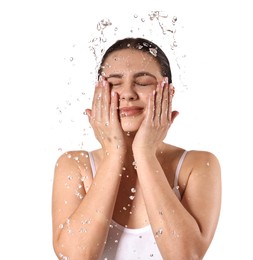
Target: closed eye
{"x":145,"y":79}
{"x":143,"y":83}
{"x":114,"y":84}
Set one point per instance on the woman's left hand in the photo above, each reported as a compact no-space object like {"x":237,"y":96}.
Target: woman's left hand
{"x":159,"y":117}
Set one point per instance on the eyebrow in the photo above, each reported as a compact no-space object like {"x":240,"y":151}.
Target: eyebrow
{"x":136,"y":75}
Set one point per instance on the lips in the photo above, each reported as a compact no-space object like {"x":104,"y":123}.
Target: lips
{"x":130,"y":111}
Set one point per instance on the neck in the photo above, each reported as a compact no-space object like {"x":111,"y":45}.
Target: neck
{"x":129,"y":138}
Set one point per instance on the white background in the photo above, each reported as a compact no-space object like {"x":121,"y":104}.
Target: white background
{"x":43,"y":93}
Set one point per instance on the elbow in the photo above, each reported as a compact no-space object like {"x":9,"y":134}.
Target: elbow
{"x":60,"y":251}
{"x":190,"y":249}
{"x":195,"y":250}
{"x":189,"y":254}
{"x":64,"y":250}
{"x":69,"y":250}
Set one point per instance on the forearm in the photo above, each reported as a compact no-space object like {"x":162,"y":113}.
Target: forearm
{"x":176,"y":231}
{"x":87,"y":227}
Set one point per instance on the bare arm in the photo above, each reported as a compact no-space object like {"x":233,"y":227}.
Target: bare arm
{"x":85,"y":221}
{"x":80,"y":217}
{"x":183,"y":230}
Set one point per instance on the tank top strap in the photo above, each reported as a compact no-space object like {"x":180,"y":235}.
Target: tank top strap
{"x":92,"y":164}
{"x":176,"y":187}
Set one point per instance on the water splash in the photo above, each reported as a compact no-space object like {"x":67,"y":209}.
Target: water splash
{"x":62,"y":257}
{"x":154,"y":25}
{"x":97,"y":44}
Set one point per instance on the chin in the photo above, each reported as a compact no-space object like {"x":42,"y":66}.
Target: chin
{"x":130,"y":125}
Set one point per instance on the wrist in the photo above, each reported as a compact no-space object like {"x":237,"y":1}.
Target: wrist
{"x":115,"y":151}
{"x":144,"y":152}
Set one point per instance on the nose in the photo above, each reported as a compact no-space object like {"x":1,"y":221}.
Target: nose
{"x":128,"y":93}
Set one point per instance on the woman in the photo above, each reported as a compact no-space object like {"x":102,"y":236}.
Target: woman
{"x":136,"y":197}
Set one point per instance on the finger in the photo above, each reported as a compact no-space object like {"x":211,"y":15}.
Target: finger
{"x":165,"y":105}
{"x":114,"y":108}
{"x":151,"y":108}
{"x":174,"y":114}
{"x":171,"y":94}
{"x":158,"y":102}
{"x":88,"y":112}
{"x":105,"y":102}
{"x":96,"y":103}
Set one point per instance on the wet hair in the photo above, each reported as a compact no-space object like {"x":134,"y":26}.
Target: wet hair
{"x":143,"y":45}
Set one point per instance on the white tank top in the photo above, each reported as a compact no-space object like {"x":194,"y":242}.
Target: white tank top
{"x":133,"y":244}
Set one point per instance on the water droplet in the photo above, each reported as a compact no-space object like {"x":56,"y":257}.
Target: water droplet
{"x":174,"y":19}
{"x":62,"y":257}
{"x":61,"y":226}
{"x":153,"y":51}
{"x":123,"y":168}
{"x":135,"y":165}
{"x":131,"y":197}
{"x":133,"y":190}
{"x":82,"y":230}
{"x":159,"y":232}
{"x":123,"y":114}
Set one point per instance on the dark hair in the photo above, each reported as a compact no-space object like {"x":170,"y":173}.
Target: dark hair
{"x":143,"y":45}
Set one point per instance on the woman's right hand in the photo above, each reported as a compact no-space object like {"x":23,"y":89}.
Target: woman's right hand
{"x":104,"y":118}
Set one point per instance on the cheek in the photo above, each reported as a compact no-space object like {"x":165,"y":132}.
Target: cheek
{"x":144,"y":94}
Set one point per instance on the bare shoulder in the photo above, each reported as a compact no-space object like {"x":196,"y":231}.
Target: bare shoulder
{"x":77,"y":159}
{"x":202,"y":177}
{"x":203,"y":162}
{"x":201,"y":181}
{"x":74,"y":165}
{"x":200,"y":170}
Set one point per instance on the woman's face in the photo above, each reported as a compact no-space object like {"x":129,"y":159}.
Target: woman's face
{"x":133,"y":75}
